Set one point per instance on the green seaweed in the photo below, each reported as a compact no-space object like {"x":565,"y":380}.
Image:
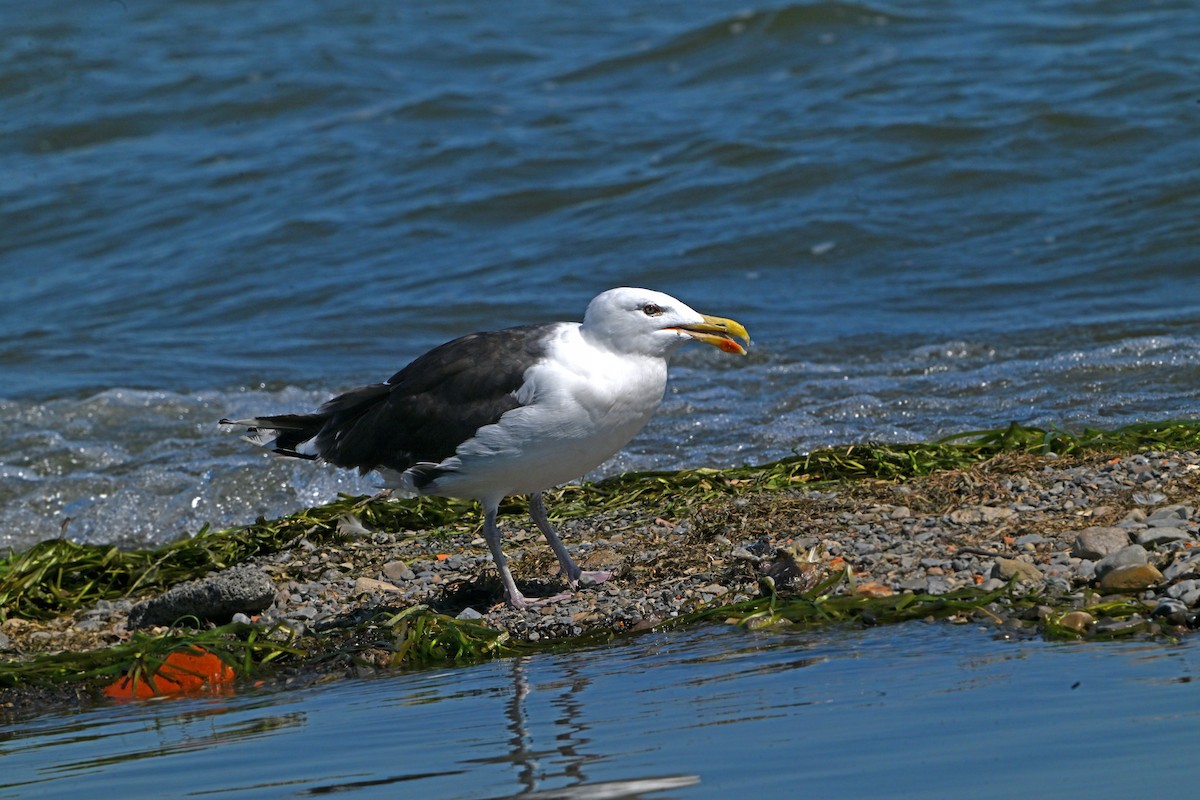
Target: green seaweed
{"x":59,"y":576}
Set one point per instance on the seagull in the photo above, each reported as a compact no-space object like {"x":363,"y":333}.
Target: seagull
{"x":508,"y":412}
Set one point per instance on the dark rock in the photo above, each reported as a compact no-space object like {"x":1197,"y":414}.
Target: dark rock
{"x":1174,"y":611}
{"x":1097,"y":542}
{"x":213,"y":599}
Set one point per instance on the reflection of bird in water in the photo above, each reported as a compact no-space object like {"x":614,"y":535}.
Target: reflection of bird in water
{"x":570,"y":740}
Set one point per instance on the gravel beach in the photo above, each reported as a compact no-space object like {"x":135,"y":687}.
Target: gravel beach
{"x":1069,"y":530}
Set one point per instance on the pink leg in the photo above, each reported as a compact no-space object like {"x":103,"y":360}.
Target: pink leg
{"x":575,"y":575}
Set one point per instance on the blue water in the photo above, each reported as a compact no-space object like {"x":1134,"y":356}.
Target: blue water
{"x":932,"y":217}
{"x":915,"y":711}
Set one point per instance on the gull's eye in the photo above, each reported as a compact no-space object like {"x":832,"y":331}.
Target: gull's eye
{"x":652,"y":310}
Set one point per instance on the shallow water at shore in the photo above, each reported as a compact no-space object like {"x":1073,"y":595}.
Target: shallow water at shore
{"x":915,"y":710}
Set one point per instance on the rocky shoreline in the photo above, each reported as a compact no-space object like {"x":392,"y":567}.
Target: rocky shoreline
{"x":1070,"y":531}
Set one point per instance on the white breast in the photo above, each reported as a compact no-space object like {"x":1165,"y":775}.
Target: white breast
{"x":579,"y":406}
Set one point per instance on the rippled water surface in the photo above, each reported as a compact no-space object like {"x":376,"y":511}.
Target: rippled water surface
{"x":912,"y":711}
{"x":933,"y":218}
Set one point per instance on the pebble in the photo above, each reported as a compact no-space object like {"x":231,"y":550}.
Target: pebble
{"x":1097,"y":542}
{"x":1130,"y":578}
{"x":1118,"y":627}
{"x":1155,"y":536}
{"x":1008,"y":568}
{"x":372,"y":586}
{"x":398,"y":571}
{"x":1174,"y":610}
{"x":1188,"y":592}
{"x":1132,"y":555}
{"x":1172,"y":514}
{"x":1079,"y":621}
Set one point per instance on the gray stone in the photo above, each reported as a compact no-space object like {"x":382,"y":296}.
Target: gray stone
{"x":303,"y":612}
{"x":1008,"y":568}
{"x":1097,"y":542}
{"x":1182,"y":567}
{"x":469,"y":614}
{"x":1129,"y":556}
{"x":974,"y":515}
{"x":1172,"y":515}
{"x":1186,"y":591}
{"x":1085,"y":570}
{"x":1169,"y":607}
{"x":1119,"y":627}
{"x":742,"y":554}
{"x":213,"y":599}
{"x":938,"y":584}
{"x":1056,"y":585}
{"x":588,"y":580}
{"x":1152,"y":537}
{"x":91,"y":624}
{"x":398,"y":571}
{"x":372,"y":586}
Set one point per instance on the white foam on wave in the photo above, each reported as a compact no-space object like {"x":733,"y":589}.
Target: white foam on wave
{"x":140,"y":468}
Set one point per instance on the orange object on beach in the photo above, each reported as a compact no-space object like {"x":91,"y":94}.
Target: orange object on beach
{"x":182,"y":672}
{"x":873,"y":589}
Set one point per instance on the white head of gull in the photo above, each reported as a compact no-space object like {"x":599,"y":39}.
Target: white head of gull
{"x":508,"y":412}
